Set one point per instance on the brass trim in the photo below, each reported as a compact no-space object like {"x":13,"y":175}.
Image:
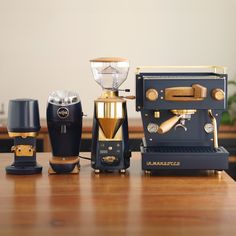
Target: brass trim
{"x":214,"y":123}
{"x":109,"y":59}
{"x":184,"y":112}
{"x":156,"y":114}
{"x":109,"y":94}
{"x":110,"y":116}
{"x":211,"y":68}
{"x":109,"y":159}
{"x":23,"y":150}
{"x":117,"y":137}
{"x":168,"y":124}
{"x":23,"y":134}
{"x":152,"y":94}
{"x":186,"y":94}
{"x":218,"y":94}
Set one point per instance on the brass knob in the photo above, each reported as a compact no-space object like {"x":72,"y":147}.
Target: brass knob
{"x":156,"y":114}
{"x":151,"y":94}
{"x":218,"y":94}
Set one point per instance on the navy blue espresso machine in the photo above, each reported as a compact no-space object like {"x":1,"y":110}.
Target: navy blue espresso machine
{"x":181,"y":113}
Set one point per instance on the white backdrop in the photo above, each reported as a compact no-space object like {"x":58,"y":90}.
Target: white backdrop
{"x":46,"y":44}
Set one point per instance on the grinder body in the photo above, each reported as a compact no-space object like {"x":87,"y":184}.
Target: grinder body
{"x":23,"y":126}
{"x":64,"y":120}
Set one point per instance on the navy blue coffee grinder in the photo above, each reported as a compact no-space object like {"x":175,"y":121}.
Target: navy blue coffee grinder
{"x":64,"y":120}
{"x":23,"y":126}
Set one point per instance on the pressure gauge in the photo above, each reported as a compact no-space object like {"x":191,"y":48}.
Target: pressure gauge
{"x":152,"y":128}
{"x":209,"y":128}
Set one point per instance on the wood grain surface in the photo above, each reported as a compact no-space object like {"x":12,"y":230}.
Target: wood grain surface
{"x":113,"y":204}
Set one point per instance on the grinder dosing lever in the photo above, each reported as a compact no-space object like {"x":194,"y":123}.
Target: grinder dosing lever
{"x":180,"y":115}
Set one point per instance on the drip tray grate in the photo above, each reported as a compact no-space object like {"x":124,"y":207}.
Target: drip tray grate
{"x":185,"y":149}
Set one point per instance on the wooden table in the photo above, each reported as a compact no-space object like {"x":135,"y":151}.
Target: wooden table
{"x":113,"y":204}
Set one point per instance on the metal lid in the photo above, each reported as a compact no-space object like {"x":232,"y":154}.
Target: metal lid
{"x":63,"y":98}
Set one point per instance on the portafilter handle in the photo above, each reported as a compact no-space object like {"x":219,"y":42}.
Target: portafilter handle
{"x":168,"y":124}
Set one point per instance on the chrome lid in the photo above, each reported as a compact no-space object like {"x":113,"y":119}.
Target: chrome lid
{"x":63,"y":98}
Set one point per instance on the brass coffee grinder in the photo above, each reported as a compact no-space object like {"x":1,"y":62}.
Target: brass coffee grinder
{"x":181,"y":110}
{"x":110,"y":148}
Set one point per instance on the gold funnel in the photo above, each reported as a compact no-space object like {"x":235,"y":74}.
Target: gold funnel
{"x":110,"y":113}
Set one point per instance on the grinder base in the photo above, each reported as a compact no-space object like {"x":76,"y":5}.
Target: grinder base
{"x":64,"y":165}
{"x":184,"y":158}
{"x":27,"y":170}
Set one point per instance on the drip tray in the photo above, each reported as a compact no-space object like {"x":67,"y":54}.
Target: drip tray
{"x":186,"y":149}
{"x":184,"y":157}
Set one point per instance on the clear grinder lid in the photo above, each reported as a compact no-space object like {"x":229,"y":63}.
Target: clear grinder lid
{"x":110,"y":72}
{"x":63,"y":98}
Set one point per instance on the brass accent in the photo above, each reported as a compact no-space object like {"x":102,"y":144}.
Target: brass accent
{"x":156,"y":114}
{"x":23,"y":150}
{"x":220,"y":69}
{"x":168,"y":124}
{"x":109,"y":59}
{"x":117,"y":137}
{"x":109,"y":159}
{"x":218,"y":94}
{"x":184,"y":112}
{"x":110,"y":115}
{"x":186,"y":94}
{"x":64,"y":160}
{"x":131,"y":97}
{"x":152,"y":94}
{"x":109,"y":94}
{"x":214,"y":123}
{"x":23,"y":134}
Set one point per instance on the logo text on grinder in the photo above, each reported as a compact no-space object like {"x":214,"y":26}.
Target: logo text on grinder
{"x":63,"y":112}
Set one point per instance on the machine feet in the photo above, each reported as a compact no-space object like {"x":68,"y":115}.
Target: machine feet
{"x":96,"y":171}
{"x":147,"y":172}
{"x":122,"y":171}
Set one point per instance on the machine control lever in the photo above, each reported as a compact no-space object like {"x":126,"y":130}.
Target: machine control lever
{"x":186,"y":94}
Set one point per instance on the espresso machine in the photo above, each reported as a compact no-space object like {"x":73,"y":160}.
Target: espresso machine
{"x":23,"y":126}
{"x":181,"y":110}
{"x":64,"y":121}
{"x":110,"y":148}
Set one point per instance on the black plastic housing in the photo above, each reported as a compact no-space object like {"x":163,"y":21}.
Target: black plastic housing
{"x":65,"y":132}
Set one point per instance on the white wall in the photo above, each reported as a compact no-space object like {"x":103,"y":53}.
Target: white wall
{"x":46,"y":44}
